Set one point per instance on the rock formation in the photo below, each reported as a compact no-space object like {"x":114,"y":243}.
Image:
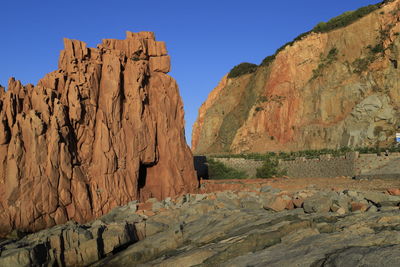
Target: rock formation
{"x":104,"y":129}
{"x":325,"y":90}
{"x":249,"y":226}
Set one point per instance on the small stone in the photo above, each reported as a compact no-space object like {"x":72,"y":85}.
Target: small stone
{"x":351,"y":193}
{"x":343,"y":201}
{"x":145,"y":206}
{"x":199,"y":197}
{"x":148,"y":213}
{"x":394,"y":191}
{"x":358,"y":206}
{"x":277,"y":204}
{"x":335,"y":207}
{"x":341,"y":211}
{"x":317,"y":203}
{"x":168,"y":202}
{"x":133,"y":206}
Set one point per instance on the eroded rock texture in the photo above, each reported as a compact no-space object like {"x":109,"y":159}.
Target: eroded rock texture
{"x":106,"y":128}
{"x":326,"y":90}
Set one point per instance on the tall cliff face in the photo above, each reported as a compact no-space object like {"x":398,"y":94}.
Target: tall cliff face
{"x":326,"y":90}
{"x":104,"y":129}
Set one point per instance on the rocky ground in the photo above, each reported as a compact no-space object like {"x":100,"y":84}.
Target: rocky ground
{"x":272,"y":222}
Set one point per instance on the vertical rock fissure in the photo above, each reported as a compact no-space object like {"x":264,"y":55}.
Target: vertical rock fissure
{"x":142,"y":178}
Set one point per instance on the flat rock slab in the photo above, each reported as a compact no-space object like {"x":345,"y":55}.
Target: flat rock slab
{"x":227,"y":228}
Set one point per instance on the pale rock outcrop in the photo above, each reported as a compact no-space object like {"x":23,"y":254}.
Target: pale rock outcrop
{"x":104,"y":129}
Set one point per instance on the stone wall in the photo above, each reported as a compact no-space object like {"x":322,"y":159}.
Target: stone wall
{"x":353,"y":165}
{"x":247,"y":165}
{"x":324,"y":166}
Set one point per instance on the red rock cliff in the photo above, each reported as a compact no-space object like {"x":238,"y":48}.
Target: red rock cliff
{"x":104,"y":129}
{"x":325,"y":90}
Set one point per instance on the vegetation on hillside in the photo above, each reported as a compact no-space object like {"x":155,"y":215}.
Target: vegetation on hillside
{"x":308,"y":154}
{"x":340,"y":21}
{"x":242,"y":69}
{"x":268,"y":60}
{"x":270,"y":167}
{"x":325,"y":61}
{"x":218,"y":170}
{"x":345,"y":19}
{"x":373,"y":52}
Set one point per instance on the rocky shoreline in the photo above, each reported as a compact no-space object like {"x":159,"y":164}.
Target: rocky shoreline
{"x":260,"y":227}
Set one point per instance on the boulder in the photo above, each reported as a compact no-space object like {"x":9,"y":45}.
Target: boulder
{"x":278,"y":203}
{"x":318,"y":203}
{"x":359,"y":206}
{"x":381,"y":199}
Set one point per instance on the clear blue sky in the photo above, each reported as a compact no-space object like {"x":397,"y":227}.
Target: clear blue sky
{"x":204,"y":38}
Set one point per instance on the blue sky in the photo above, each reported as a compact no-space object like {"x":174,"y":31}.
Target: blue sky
{"x":204,"y":38}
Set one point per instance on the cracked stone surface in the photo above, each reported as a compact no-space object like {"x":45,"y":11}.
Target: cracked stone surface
{"x":104,"y":129}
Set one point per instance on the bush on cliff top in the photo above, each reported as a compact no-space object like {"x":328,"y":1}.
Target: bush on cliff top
{"x":345,"y":19}
{"x":218,"y":170}
{"x":340,"y":21}
{"x":242,"y":69}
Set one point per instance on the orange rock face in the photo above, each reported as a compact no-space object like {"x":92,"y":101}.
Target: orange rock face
{"x":104,"y":129}
{"x":326,"y":90}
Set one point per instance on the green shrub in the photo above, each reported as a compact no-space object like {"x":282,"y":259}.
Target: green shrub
{"x":378,"y":48}
{"x":242,"y":69}
{"x":373,"y":52}
{"x":332,"y":54}
{"x":318,"y":71}
{"x":345,"y":19}
{"x":361,"y":64}
{"x":298,"y":38}
{"x":340,"y":21}
{"x":262,"y":99}
{"x":329,"y":59}
{"x":283,"y":47}
{"x":218,"y":170}
{"x":270,"y":169}
{"x":308,"y":154}
{"x":268,"y":60}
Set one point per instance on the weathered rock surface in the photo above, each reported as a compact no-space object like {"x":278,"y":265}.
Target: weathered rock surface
{"x":104,"y":129}
{"x":72,"y":244}
{"x":326,"y":90}
{"x":229,"y":228}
